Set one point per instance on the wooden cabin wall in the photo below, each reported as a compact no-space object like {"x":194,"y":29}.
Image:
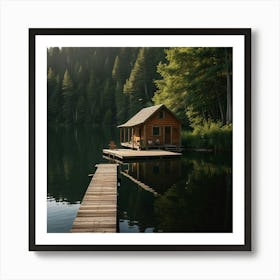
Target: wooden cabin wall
{"x":167,"y":120}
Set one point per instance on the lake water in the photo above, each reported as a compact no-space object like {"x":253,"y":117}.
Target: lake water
{"x":190,"y":194}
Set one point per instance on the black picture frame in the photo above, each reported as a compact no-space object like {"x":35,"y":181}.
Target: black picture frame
{"x":244,"y":32}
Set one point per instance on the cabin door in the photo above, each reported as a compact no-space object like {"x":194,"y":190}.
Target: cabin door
{"x":167,"y":135}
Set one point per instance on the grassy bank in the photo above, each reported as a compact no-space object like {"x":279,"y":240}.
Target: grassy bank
{"x":212,"y":136}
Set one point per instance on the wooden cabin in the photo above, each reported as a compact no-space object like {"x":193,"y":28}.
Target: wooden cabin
{"x":152,"y":127}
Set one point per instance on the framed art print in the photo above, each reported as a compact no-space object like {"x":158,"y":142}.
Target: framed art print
{"x":140,"y":139}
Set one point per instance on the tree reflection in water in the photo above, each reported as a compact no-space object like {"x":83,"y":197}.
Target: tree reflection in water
{"x":194,"y":195}
{"x":190,"y":194}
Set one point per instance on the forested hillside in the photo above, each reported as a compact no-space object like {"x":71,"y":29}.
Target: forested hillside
{"x":100,"y":85}
{"x":108,"y":85}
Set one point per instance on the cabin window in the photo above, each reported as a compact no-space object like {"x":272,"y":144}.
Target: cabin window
{"x":156,"y":131}
{"x":160,"y":114}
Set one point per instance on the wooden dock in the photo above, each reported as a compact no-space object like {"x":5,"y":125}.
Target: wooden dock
{"x":98,"y":210}
{"x":128,"y":154}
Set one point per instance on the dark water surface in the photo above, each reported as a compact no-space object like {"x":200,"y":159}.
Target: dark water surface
{"x":190,"y":194}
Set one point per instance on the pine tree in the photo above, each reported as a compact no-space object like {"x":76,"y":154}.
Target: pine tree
{"x":122,"y":67}
{"x":140,"y":86}
{"x":53,"y":97}
{"x":68,"y":98}
{"x":93,"y":99}
{"x":108,"y":103}
{"x":195,"y":80}
{"x":84,"y":83}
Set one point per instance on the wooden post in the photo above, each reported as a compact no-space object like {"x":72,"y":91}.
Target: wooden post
{"x":132,"y":138}
{"x":128,"y":134}
{"x":120,"y":135}
{"x":145,"y":136}
{"x":137,"y":166}
{"x":124,"y":132}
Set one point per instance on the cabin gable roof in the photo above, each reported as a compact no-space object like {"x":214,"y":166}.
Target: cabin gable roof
{"x":143,"y":115}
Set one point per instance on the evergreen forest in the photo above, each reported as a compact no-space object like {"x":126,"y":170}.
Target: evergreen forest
{"x":93,"y":86}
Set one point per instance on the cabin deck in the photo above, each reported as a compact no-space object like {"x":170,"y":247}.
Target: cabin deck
{"x":98,"y":210}
{"x":136,"y":146}
{"x":128,"y":154}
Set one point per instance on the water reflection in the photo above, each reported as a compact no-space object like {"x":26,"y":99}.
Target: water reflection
{"x":60,"y":215}
{"x":189,"y":194}
{"x":192,"y":194}
{"x":155,"y":176}
{"x":72,"y":155}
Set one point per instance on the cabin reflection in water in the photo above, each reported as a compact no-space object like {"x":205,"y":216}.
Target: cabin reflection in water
{"x":177,"y":195}
{"x":156,"y":175}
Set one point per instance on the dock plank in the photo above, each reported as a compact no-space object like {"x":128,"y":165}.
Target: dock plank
{"x":98,"y":210}
{"x":128,"y":154}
